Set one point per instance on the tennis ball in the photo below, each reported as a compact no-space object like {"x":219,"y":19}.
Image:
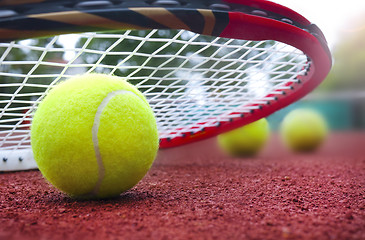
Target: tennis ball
{"x":303,"y":130}
{"x":245,"y":141}
{"x":94,"y":136}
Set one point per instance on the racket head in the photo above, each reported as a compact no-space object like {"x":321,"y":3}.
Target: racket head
{"x":231,"y":19}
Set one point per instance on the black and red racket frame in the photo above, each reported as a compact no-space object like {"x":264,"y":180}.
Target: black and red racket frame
{"x":239,"y":19}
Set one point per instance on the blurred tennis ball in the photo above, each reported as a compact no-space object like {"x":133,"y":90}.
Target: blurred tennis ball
{"x":246,"y":141}
{"x":303,"y":130}
{"x":94,"y":136}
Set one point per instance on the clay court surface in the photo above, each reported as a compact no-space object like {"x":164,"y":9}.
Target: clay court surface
{"x":193,"y":192}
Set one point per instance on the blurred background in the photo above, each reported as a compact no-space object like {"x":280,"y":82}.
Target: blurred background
{"x":341,"y":97}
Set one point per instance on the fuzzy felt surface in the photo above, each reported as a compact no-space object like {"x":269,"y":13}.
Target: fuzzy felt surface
{"x":62,"y":141}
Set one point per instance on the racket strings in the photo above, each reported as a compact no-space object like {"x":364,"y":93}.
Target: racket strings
{"x":191,"y":81}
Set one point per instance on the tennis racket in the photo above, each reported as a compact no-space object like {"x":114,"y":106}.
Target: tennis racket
{"x":205,"y":66}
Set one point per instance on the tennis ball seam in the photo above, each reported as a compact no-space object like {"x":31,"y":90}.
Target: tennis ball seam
{"x":95,"y":130}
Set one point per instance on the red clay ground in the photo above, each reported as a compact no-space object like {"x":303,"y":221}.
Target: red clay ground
{"x":190,"y":195}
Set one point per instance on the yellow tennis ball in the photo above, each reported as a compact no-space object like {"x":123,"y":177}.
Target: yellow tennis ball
{"x":246,"y":141}
{"x":303,"y":130}
{"x":94,"y":136}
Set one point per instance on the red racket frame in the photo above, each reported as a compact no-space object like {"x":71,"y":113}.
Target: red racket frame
{"x":258,"y":20}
